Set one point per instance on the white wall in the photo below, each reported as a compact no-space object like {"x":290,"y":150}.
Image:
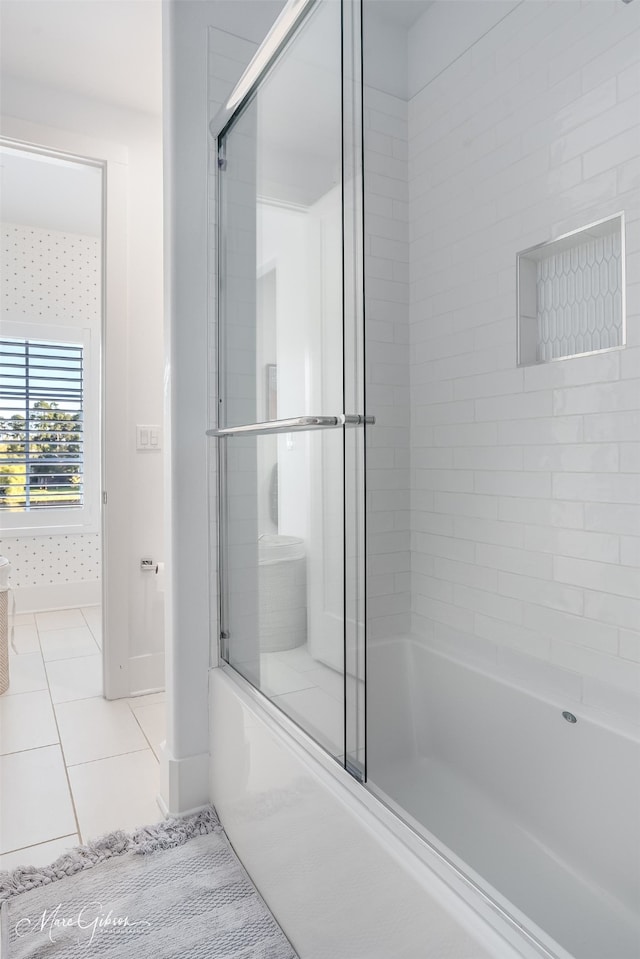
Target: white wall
{"x":189,"y":296}
{"x":140,"y":367}
{"x":526,"y":494}
{"x":384,"y":45}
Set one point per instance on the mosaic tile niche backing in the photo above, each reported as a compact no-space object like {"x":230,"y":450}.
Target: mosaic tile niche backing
{"x":580,"y":300}
{"x":571,"y":295}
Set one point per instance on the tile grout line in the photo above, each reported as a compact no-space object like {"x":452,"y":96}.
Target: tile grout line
{"x":78,"y":699}
{"x":61,"y":659}
{"x":30,"y":749}
{"x":12,"y":852}
{"x":93,"y":635}
{"x":103,"y":759}
{"x":143,"y":732}
{"x":80,"y":656}
{"x":64,"y":758}
{"x":66,"y":629}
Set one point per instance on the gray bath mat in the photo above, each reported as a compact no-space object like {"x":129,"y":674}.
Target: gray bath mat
{"x":172,"y":890}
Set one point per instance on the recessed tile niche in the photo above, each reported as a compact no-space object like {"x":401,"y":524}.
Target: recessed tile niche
{"x":571,"y":294}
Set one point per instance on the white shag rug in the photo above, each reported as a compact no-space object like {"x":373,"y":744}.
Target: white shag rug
{"x":175,"y":889}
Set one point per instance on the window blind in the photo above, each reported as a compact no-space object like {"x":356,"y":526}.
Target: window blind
{"x":41,"y":425}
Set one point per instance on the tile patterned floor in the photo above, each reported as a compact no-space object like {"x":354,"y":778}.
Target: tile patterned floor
{"x":72,"y":764}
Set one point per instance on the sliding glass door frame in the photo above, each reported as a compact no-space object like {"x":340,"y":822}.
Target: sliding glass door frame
{"x":351,"y":420}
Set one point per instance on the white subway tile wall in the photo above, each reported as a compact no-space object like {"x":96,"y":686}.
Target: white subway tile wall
{"x":386,"y":268}
{"x":525,"y":493}
{"x":503,"y":503}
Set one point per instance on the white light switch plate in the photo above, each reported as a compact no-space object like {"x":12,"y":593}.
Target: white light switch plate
{"x":148,"y":438}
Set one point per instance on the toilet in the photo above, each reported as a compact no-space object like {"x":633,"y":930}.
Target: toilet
{"x":282,"y":573}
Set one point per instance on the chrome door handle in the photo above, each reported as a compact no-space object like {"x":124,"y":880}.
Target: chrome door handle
{"x":296,"y":424}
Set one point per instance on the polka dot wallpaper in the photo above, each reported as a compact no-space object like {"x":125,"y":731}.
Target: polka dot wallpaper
{"x":46,"y":560}
{"x":52,"y":277}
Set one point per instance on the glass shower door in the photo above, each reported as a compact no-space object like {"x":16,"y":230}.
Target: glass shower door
{"x":290,"y":406}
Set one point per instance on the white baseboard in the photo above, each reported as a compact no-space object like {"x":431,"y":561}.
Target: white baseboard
{"x":146,"y":674}
{"x":184,"y":783}
{"x":182,"y":815}
{"x":34,"y":599}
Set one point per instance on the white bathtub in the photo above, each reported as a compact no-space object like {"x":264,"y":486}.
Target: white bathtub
{"x":544,"y":811}
{"x":469,"y":780}
{"x":334,"y":865}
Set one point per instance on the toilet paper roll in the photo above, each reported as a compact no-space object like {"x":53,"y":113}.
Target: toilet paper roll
{"x":160,"y":576}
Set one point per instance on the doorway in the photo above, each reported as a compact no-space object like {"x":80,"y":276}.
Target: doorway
{"x":57,"y":434}
{"x":51,"y":216}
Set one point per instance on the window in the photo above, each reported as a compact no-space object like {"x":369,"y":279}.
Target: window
{"x":41,"y":425}
{"x":47,"y":450}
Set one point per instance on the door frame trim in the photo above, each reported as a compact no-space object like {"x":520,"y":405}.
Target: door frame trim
{"x":112,"y":159}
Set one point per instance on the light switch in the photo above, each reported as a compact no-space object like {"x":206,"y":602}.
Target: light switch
{"x":148,"y":438}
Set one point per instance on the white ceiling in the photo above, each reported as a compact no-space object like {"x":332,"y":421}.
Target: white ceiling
{"x":50,"y":193}
{"x":109,"y":50}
